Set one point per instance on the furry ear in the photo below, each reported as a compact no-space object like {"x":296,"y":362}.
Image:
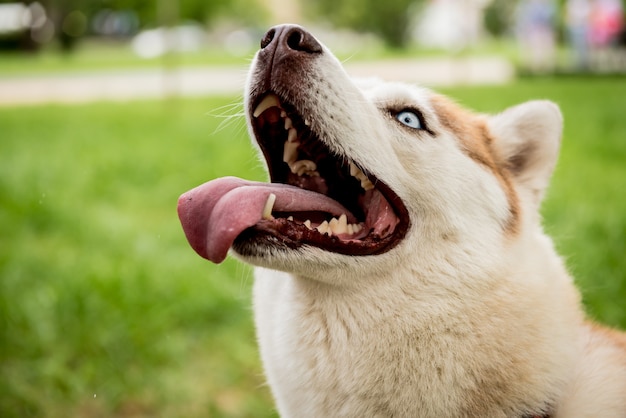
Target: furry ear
{"x":527,"y":138}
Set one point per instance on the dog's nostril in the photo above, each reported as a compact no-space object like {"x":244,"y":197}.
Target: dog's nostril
{"x":290,"y":38}
{"x":300,"y":40}
{"x":294,"y":40}
{"x":268,"y":38}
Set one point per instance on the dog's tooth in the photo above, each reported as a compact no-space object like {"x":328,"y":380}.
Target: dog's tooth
{"x":350,"y":229}
{"x":307,"y":223}
{"x":360,"y":176}
{"x":283,"y":114}
{"x":271,"y":100}
{"x":269,"y":205}
{"x":290,"y":218}
{"x":323,"y":227}
{"x":288,"y":123}
{"x":292,"y":135}
{"x":307,"y":123}
{"x":302,"y":166}
{"x":343,"y":222}
{"x":354,"y":170}
{"x":357,"y":173}
{"x":339,"y":226}
{"x":366,"y":184}
{"x":290,"y":152}
{"x":357,"y":228}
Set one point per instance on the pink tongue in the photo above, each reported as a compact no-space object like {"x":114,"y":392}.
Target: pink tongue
{"x":215,"y":213}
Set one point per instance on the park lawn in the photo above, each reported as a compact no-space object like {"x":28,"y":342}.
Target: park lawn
{"x":105,"y":309}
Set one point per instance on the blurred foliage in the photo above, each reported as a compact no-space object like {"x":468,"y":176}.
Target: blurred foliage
{"x":499,"y":17}
{"x":390,"y":19}
{"x":72,"y":18}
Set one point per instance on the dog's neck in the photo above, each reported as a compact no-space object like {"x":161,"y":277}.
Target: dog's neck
{"x":444,"y":342}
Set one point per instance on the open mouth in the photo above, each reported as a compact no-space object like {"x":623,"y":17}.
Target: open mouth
{"x":368,"y":217}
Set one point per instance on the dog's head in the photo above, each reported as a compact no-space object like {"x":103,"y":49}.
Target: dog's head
{"x":365,"y":173}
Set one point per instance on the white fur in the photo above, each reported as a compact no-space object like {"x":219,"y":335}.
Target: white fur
{"x":463,"y":318}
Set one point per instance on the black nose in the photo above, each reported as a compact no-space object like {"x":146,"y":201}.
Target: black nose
{"x":290,"y":38}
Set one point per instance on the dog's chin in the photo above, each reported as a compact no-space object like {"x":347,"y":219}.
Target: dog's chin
{"x":269,"y":251}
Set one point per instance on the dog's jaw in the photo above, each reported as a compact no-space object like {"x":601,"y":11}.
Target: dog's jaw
{"x":299,"y":102}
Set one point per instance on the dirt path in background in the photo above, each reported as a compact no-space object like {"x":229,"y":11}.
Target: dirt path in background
{"x":188,"y":82}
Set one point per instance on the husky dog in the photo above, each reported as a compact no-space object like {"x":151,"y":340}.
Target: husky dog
{"x":402,"y":270}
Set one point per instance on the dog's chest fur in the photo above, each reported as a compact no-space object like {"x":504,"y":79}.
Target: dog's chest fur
{"x":391,"y":350}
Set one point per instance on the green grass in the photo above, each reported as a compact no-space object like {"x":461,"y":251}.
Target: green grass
{"x":106,"y":311}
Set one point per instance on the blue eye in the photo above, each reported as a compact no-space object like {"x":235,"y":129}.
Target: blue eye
{"x":410,"y":119}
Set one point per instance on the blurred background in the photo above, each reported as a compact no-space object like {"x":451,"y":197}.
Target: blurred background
{"x":110,"y":109}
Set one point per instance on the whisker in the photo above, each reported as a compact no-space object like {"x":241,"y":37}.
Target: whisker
{"x":230,"y":113}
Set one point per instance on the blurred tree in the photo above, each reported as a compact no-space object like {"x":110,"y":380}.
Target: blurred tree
{"x":203,"y":11}
{"x":389,"y":19}
{"x":500,"y":17}
{"x":71,"y":19}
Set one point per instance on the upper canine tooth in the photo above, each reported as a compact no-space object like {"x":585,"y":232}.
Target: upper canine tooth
{"x":288,"y":123}
{"x":269,"y":205}
{"x":271,"y":100}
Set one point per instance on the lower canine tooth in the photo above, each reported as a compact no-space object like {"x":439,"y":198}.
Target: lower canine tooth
{"x":269,"y":205}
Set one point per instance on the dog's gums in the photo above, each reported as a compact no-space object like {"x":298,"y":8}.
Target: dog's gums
{"x":375,"y":218}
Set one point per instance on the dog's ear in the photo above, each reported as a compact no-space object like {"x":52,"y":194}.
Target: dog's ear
{"x":526,"y":141}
